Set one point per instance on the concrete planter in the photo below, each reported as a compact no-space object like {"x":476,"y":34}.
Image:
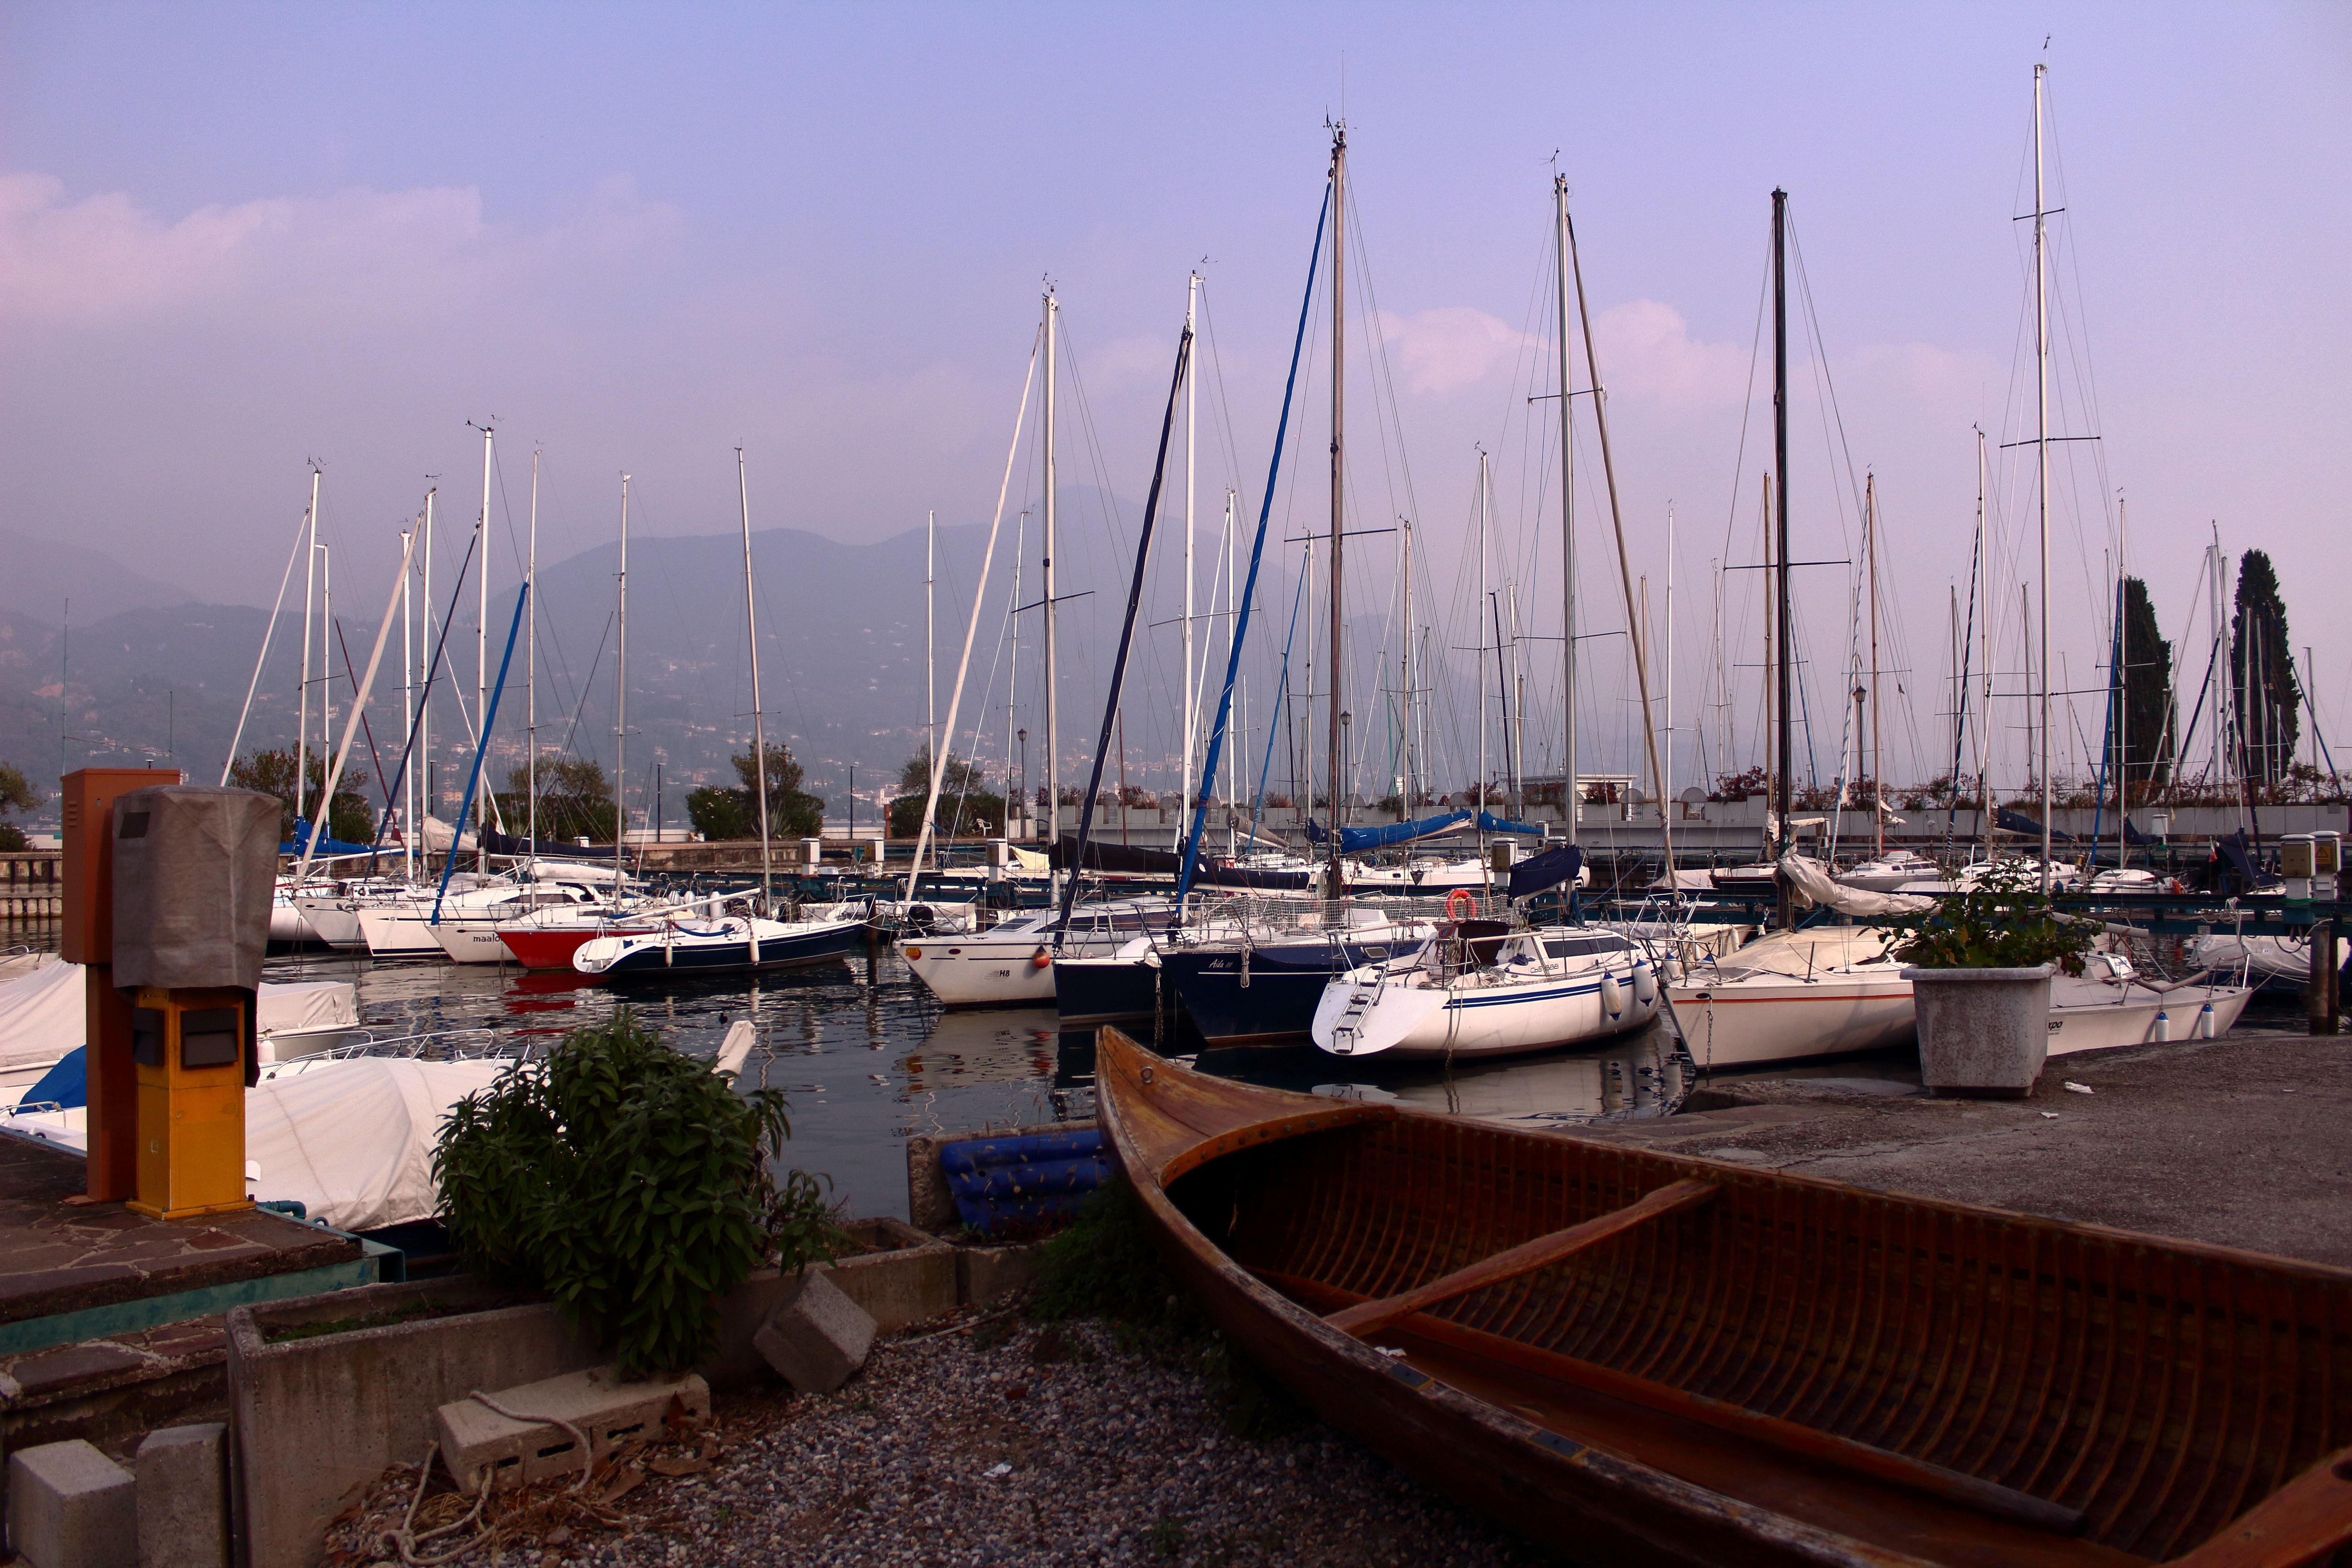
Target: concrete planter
{"x":1982,"y":1032}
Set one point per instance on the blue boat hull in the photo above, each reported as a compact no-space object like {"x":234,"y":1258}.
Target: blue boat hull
{"x":1275,"y":997}
{"x":1109,"y":992}
{"x":832,"y":945}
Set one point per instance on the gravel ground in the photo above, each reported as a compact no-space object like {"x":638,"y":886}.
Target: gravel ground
{"x":998,"y":1442}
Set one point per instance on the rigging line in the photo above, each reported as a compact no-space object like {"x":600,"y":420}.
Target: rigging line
{"x":268,"y":632}
{"x":366,"y":727}
{"x":582,"y":706}
{"x":1224,"y":419}
{"x":432,"y":672}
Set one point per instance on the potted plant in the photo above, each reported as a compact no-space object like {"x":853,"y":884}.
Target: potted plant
{"x":1980,"y":964}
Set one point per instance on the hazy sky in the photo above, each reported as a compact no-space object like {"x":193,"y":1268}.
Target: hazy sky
{"x":233,"y":238}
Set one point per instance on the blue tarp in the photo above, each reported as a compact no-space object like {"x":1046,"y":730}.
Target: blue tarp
{"x":1548,"y":869}
{"x":2010,"y":821}
{"x":1000,"y":1181}
{"x":1489,"y":823}
{"x":66,"y":1084}
{"x":326,"y":845}
{"x":1354,"y":840}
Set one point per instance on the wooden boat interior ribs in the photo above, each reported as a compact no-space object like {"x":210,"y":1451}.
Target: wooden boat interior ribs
{"x":1712,"y":1363}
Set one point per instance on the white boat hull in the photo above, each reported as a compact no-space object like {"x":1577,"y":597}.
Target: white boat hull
{"x":1735,"y":1023}
{"x":1486,"y":1014}
{"x":2193,"y":1013}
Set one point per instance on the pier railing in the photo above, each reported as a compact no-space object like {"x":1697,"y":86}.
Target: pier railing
{"x":32,"y":885}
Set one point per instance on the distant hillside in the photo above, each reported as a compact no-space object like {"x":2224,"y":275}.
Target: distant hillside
{"x":38,"y":575}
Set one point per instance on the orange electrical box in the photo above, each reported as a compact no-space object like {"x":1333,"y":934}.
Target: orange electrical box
{"x":86,"y":804}
{"x":187,"y":1049}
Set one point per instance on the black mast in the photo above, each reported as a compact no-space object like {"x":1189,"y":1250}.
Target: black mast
{"x":1784,"y":649}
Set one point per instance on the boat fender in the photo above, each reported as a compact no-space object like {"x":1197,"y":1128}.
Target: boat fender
{"x":2205,"y":1022}
{"x":1672,"y":970}
{"x":1041,"y":959}
{"x":1612,"y":997}
{"x":1645,"y":983}
{"x":2163,"y":1030}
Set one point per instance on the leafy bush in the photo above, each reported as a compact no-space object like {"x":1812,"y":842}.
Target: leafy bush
{"x":2007,"y":922}
{"x":633,"y":1184}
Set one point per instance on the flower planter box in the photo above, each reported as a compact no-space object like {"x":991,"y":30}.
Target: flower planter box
{"x":1983,"y":1033}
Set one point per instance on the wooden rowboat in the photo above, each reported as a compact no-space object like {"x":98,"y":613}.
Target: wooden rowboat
{"x":1633,"y":1357}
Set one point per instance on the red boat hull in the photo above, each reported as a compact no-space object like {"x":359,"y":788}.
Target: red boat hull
{"x":546,"y":947}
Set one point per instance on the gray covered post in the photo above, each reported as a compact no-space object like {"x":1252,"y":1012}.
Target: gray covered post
{"x":194,"y":869}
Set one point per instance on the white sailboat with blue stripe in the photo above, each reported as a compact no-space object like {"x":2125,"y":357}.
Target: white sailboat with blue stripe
{"x":1471,"y":995}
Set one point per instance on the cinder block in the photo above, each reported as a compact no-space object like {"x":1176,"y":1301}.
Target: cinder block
{"x":903,"y":1277}
{"x":816,"y":1337}
{"x":183,"y":1473}
{"x":985,"y":1273}
{"x":69,"y":1506}
{"x":478,"y":1442}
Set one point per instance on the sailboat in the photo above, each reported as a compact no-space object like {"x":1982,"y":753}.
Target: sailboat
{"x":736,"y":931}
{"x":1259,"y":974}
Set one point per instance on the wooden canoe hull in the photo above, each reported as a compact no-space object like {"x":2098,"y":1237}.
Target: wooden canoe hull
{"x":2161,"y":1389}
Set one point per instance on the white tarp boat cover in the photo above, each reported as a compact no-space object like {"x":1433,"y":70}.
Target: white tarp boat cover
{"x":1811,"y":878}
{"x":41,"y":1016}
{"x":352,"y":1140}
{"x":40,"y":1012}
{"x":303,"y":1005}
{"x":436,"y":834}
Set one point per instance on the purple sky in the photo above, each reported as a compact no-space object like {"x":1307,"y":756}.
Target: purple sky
{"x":236,"y":238}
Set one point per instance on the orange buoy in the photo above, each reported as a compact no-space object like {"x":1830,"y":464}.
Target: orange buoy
{"x":1040,"y":958}
{"x":1469,"y":900}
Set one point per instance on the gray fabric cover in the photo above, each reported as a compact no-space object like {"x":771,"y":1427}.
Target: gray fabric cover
{"x":194,"y":869}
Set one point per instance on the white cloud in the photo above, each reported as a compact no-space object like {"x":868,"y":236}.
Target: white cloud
{"x":1648,"y":356}
{"x":1451,"y":347}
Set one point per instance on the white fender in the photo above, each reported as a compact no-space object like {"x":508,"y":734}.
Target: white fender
{"x":2205,"y":1022}
{"x":1612,"y":997}
{"x":2163,"y":1030}
{"x":1645,"y":983}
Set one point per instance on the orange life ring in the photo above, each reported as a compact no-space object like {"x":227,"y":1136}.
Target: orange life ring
{"x":1469,"y":900}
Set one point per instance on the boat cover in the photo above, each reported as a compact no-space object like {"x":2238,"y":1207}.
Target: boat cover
{"x":1489,"y":823}
{"x":437,"y":836}
{"x":2009,"y":821}
{"x":523,"y":847}
{"x":41,"y":1013}
{"x":1548,"y":869}
{"x":1811,"y":878}
{"x":352,"y":1141}
{"x":1354,"y":840}
{"x":305,"y":1004}
{"x":328,"y":847}
{"x":41,"y":1010}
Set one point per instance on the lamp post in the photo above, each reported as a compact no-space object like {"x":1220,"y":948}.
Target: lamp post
{"x":1028,"y":807}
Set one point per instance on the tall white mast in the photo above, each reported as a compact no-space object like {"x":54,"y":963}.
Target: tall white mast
{"x":621,"y":697}
{"x":302,"y":700}
{"x":1192,"y":411}
{"x":1667,"y":785}
{"x":482,"y":637}
{"x":930,"y":623}
{"x":1878,"y":760}
{"x":1404,"y":785}
{"x":1338,"y":475}
{"x":530,"y":674}
{"x":326,"y":684}
{"x":2042,"y":448}
{"x":1479,"y":617}
{"x":407,"y":715}
{"x":1053,"y":704}
{"x":1241,"y":693}
{"x":1982,"y":606}
{"x":758,"y":720}
{"x":424,"y":662}
{"x":2123,"y":687}
{"x":1571,"y":792}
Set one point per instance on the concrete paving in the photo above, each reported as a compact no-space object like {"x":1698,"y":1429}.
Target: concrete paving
{"x":2242,"y":1142}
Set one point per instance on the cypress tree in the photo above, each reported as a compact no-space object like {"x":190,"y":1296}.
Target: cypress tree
{"x":2261,"y":673}
{"x":2150,"y":720}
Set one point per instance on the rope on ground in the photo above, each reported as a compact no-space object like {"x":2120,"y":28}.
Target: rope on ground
{"x":407,"y":1539}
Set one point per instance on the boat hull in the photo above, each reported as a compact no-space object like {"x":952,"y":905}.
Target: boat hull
{"x":552,"y":947}
{"x":649,"y":958}
{"x":1111,"y":990}
{"x":1731,"y":1025}
{"x":1271,"y":996}
{"x":2132,"y":1021}
{"x":1436,"y":1022}
{"x":1665,"y":1396}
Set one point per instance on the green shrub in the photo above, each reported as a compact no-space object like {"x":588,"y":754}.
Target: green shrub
{"x":2007,"y":922}
{"x":633,"y":1184}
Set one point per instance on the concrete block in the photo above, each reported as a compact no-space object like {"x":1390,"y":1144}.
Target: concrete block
{"x":816,"y":1337}
{"x":478,"y":1443}
{"x":69,"y":1506}
{"x":985,"y":1274}
{"x":314,"y":1421}
{"x":182,"y":1474}
{"x":902,"y":1277}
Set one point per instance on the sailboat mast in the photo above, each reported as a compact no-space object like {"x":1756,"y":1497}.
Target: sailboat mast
{"x":1572,"y":791}
{"x":1241,"y":695}
{"x":424,"y":658}
{"x":2042,"y":446}
{"x":1053,"y":704}
{"x":407,"y":716}
{"x":1981,"y":605}
{"x":1782,"y":650}
{"x":1191,"y":419}
{"x":1667,"y":785}
{"x":1012,"y":680}
{"x":530,"y":672}
{"x":621,"y":689}
{"x":326,"y":688}
{"x":1404,"y":785}
{"x":2122,"y":687}
{"x":1878,"y":760}
{"x":482,"y":640}
{"x":930,"y":620}
{"x":1338,"y":456}
{"x":1482,"y":645}
{"x":759,"y":717}
{"x":302,"y":700}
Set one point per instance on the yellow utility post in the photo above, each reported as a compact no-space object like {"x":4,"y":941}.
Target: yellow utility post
{"x":187,"y":1048}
